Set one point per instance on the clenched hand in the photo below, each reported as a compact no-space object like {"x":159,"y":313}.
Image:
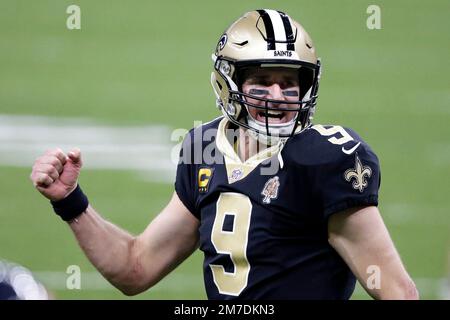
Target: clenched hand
{"x":55,"y":174}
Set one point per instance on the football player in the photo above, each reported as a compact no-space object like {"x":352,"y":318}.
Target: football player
{"x":281,"y":208}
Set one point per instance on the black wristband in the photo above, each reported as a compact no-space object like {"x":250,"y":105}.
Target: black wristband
{"x":72,"y":206}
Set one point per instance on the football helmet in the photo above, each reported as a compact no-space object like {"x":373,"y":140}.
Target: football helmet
{"x":263,"y":39}
{"x":18,"y":283}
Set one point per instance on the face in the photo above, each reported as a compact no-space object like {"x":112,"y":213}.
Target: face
{"x":272,"y":83}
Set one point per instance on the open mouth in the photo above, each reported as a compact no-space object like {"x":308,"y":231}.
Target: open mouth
{"x":273,"y":116}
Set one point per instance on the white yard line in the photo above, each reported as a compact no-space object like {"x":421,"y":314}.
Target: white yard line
{"x":175,"y":282}
{"x":179,"y":282}
{"x":146,"y":149}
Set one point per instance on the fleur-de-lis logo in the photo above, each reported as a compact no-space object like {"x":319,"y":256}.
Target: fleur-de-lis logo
{"x":270,"y":190}
{"x":222,"y":42}
{"x":358,"y":173}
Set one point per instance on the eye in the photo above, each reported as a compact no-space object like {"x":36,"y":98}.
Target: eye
{"x":258,"y":92}
{"x":290,"y":93}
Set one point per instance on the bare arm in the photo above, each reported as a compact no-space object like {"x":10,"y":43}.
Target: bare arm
{"x":134,"y":264}
{"x":131,"y":263}
{"x":361,"y":238}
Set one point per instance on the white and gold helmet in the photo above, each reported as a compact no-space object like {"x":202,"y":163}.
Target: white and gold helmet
{"x":265,"y":38}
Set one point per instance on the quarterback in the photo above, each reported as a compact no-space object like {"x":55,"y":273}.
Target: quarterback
{"x":281,"y":208}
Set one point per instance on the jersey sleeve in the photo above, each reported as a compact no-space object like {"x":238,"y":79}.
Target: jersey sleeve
{"x":185,"y":178}
{"x":354,"y":180}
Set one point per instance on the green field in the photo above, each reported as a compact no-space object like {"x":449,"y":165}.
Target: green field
{"x":148,"y":63}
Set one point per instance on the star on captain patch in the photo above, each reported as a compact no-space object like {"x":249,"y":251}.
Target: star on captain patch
{"x":270,"y":190}
{"x":358,"y":173}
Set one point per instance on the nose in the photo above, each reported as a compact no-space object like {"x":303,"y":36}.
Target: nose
{"x":275,"y":92}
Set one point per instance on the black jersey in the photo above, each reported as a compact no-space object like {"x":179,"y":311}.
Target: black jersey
{"x":263,"y":222}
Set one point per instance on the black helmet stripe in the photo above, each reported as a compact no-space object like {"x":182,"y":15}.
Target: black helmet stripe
{"x":288,"y":29}
{"x":278,"y":29}
{"x":270,"y":34}
{"x":283,"y":33}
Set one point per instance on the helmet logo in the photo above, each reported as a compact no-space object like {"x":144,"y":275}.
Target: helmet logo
{"x":222,"y":42}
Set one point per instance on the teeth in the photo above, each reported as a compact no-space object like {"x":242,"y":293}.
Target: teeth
{"x":275,"y":113}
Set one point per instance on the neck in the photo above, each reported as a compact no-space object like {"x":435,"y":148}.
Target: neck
{"x":248,"y":146}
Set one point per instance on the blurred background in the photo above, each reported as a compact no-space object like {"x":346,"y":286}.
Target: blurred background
{"x":137,"y":70}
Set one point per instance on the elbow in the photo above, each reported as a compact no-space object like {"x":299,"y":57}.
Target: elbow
{"x":405,"y":290}
{"x":133,"y":281}
{"x":410,"y":291}
{"x":127,"y":290}
{"x":130,"y":290}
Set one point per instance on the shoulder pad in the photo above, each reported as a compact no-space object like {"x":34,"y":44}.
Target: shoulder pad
{"x":325,"y":144}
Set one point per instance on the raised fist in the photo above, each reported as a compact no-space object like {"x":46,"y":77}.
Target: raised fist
{"x":55,"y":174}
